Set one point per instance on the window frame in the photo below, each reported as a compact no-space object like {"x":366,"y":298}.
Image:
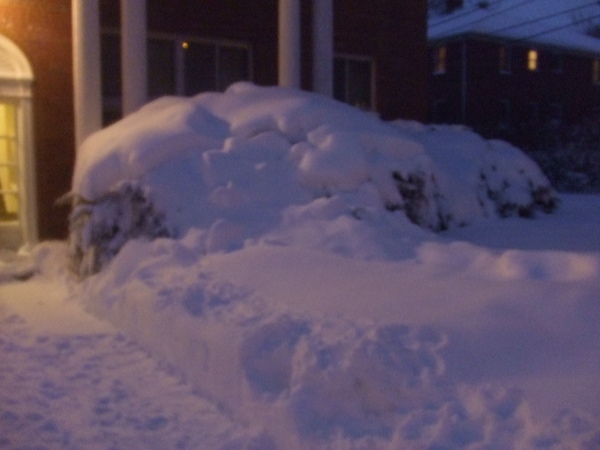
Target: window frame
{"x":505,"y":59}
{"x":112,"y":104}
{"x":533,"y":60}
{"x":557,"y":62}
{"x":440,"y":60}
{"x":16,"y":88}
{"x":10,"y":169}
{"x":596,"y":71}
{"x":347,"y":58}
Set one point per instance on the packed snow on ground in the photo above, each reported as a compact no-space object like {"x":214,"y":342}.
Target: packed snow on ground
{"x":326,"y":280}
{"x":71,"y":381}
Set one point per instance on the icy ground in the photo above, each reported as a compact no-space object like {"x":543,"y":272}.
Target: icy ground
{"x":70,"y":381}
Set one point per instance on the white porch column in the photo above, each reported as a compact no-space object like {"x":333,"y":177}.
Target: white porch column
{"x":85,"y":17}
{"x":289,"y":43}
{"x":134,"y":58}
{"x":323,"y":47}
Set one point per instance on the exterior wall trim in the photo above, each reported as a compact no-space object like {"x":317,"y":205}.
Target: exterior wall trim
{"x":16,"y":80}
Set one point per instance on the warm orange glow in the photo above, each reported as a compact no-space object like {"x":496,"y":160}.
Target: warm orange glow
{"x":532,"y":60}
{"x":9,"y":183}
{"x":185,"y":45}
{"x":440,"y":60}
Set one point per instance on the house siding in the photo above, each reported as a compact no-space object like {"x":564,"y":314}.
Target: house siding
{"x":391,"y":32}
{"x":534,"y":98}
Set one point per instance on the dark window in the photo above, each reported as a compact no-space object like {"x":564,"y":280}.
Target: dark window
{"x":556,"y":63}
{"x":176,"y":66}
{"x":353,"y":81}
{"x":233,"y":66}
{"x":505,"y":59}
{"x":200,"y":67}
{"x":110,"y":50}
{"x":214,"y":66}
{"x":161,"y":67}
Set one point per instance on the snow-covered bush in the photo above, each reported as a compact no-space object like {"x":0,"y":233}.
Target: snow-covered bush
{"x":258,"y":163}
{"x":99,"y":229}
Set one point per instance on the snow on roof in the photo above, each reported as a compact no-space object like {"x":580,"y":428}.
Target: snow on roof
{"x":556,"y":23}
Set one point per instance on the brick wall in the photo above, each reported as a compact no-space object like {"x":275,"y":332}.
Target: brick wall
{"x":391,"y":32}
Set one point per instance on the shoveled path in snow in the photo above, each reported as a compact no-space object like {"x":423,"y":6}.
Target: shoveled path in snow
{"x":70,"y":381}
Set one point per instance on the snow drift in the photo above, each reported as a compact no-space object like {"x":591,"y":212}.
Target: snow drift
{"x":273,"y":164}
{"x":277,"y":249}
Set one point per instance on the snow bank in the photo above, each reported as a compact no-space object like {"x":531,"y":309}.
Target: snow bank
{"x":281,"y":165}
{"x":283,"y":261}
{"x":327,"y":377}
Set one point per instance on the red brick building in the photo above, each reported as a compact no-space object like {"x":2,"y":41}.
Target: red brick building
{"x":378,"y":49}
{"x":61,"y":75}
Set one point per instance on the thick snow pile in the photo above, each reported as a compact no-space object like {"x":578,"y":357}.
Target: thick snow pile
{"x":279,"y":165}
{"x":287,"y":268}
{"x":324,"y":351}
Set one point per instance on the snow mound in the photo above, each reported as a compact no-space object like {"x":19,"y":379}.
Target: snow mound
{"x":280,"y":165}
{"x":311,"y":381}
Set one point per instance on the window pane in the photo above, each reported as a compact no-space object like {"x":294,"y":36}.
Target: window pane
{"x":9,"y":207}
{"x":504,"y":59}
{"x":339,"y":79}
{"x":200,"y":68}
{"x":9,"y":170}
{"x":532,"y":60}
{"x":359,"y":84}
{"x":111,"y":65}
{"x":233,"y":66}
{"x":440,"y":59}
{"x":556,"y":62}
{"x":352,"y":82}
{"x":161,"y":67}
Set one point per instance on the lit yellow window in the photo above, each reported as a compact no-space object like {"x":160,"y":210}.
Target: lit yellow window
{"x":440,"y":60}
{"x":9,"y":174}
{"x":532,"y":60}
{"x":596,"y":71}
